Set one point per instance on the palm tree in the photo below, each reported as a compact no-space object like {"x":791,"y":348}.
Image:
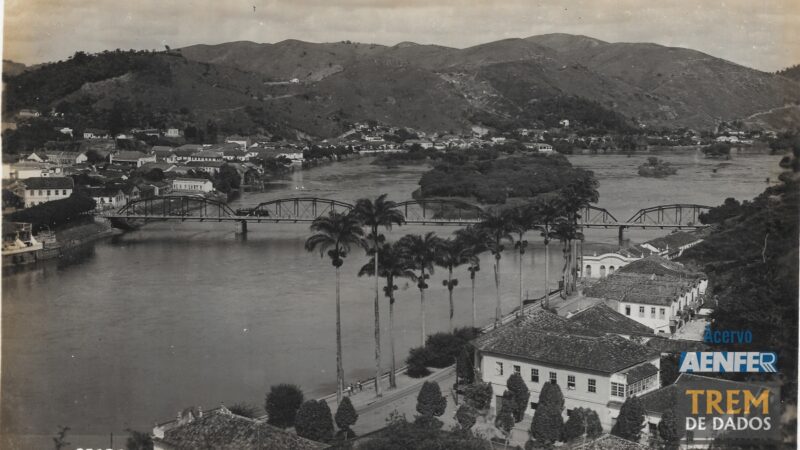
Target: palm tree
{"x":449,"y":256}
{"x":473,"y":241}
{"x":421,"y":252}
{"x":498,"y":230}
{"x":336,"y":233}
{"x":567,"y":232}
{"x":393,"y":264}
{"x":380,"y":213}
{"x":549,"y":209}
{"x":576,"y":196}
{"x":522,"y":219}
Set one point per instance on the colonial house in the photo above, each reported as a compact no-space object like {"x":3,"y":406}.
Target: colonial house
{"x":594,"y":370}
{"x":173,"y":133}
{"x":29,"y":169}
{"x":195,"y":185}
{"x":655,"y":292}
{"x":107,"y":197}
{"x":210,"y":167}
{"x":599,"y":266}
{"x":221,"y":429}
{"x":66,"y":158}
{"x":207,"y":155}
{"x":40,"y":190}
{"x":234,"y":155}
{"x":132,"y":158}
{"x":165,"y":154}
{"x":242,"y":141}
{"x":95,"y":133}
{"x":670,"y":246}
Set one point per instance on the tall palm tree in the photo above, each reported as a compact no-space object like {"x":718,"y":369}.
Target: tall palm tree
{"x":473,"y":240}
{"x":522,"y":219}
{"x":336,"y":233}
{"x":577,"y":195}
{"x":498,"y":231}
{"x":449,"y":256}
{"x":549,"y":209}
{"x":393,"y":264}
{"x":374,"y":215}
{"x":421,"y":252}
{"x":567,"y":232}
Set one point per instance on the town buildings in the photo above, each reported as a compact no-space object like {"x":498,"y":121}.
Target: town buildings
{"x":40,"y":190}
{"x":195,"y":185}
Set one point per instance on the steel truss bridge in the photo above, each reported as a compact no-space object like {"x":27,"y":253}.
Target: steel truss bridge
{"x":196,"y":208}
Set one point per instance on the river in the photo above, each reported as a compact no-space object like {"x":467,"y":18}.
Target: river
{"x":175,"y":315}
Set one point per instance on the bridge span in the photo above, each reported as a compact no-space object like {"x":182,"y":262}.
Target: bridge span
{"x":300,"y":210}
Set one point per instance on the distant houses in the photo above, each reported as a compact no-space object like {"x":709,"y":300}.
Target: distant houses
{"x":192,"y":185}
{"x":38,"y":190}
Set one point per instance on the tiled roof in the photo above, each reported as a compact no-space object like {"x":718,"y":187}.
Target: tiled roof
{"x":640,"y":288}
{"x":665,"y":345}
{"x":608,"y":442}
{"x":656,"y":265}
{"x":602,"y":318}
{"x":673,"y":240}
{"x":640,"y":372}
{"x":220,"y":429}
{"x":49,"y":183}
{"x":206,"y":163}
{"x":661,"y":399}
{"x":127,"y":155}
{"x":527,"y":339}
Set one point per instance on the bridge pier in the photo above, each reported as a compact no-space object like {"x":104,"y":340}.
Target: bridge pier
{"x":621,"y":236}
{"x":241,"y":228}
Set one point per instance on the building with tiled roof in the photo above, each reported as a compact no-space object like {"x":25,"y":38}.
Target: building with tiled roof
{"x":607,"y":442}
{"x":674,"y":346}
{"x":220,"y":429}
{"x":594,"y":369}
{"x":132,"y":158}
{"x":600,"y":317}
{"x":40,"y":190}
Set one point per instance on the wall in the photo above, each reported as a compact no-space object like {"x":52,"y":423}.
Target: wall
{"x":607,"y":260}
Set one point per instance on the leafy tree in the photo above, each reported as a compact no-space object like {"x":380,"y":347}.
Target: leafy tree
{"x":393,"y":264}
{"x":520,"y":395}
{"x":155,"y":174}
{"x":314,"y":421}
{"x":282,"y":403}
{"x":576,"y":425}
{"x":630,"y":421}
{"x":402,"y":435}
{"x":430,"y":401}
{"x":547,"y":422}
{"x":498,"y":232}
{"x":346,"y":416}
{"x":227,"y":180}
{"x":593,"y":426}
{"x":336,"y":233}
{"x":93,"y":157}
{"x":244,"y":410}
{"x":55,"y":213}
{"x":381,"y":213}
{"x":669,"y":369}
{"x":464,"y":366}
{"x":729,"y":208}
{"x":479,"y":395}
{"x":466,"y":416}
{"x":421,"y":253}
{"x":417,"y":362}
{"x":668,"y":430}
{"x":505,"y":418}
{"x":138,"y":440}
{"x":473,"y":241}
{"x":60,"y":440}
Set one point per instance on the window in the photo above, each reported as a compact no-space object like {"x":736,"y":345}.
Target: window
{"x":535,"y":375}
{"x":661,"y":313}
{"x":642,"y":385}
{"x":592,"y":385}
{"x":627,"y":310}
{"x":40,"y":192}
{"x":553,"y":378}
{"x":641,"y":311}
{"x":618,"y":390}
{"x":588,"y":272}
{"x":517,"y":370}
{"x":498,"y":368}
{"x":64,"y":192}
{"x":48,"y":192}
{"x":652,"y":313}
{"x":571,"y":382}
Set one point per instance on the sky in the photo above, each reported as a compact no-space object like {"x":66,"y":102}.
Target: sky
{"x":762,"y":34}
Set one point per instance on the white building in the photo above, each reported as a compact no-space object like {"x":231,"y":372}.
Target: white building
{"x":173,"y":133}
{"x":132,"y":158}
{"x":600,"y":266}
{"x":594,"y":370}
{"x":196,"y":185}
{"x":29,"y":169}
{"x":45,"y":189}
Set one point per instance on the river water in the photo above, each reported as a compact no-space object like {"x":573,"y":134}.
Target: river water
{"x":175,"y":315}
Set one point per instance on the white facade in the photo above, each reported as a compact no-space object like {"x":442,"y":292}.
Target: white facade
{"x":33,"y":197}
{"x":600,"y":266}
{"x":192,"y":185}
{"x":662,"y":318}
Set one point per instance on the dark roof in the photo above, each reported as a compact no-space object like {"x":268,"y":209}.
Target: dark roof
{"x":656,"y":265}
{"x":640,"y":288}
{"x":223,"y":430}
{"x":526,"y":339}
{"x":602,"y":318}
{"x":607,"y":442}
{"x":206,"y":163}
{"x":661,"y":399}
{"x":129,"y":155}
{"x":49,"y":183}
{"x":640,"y":372}
{"x":665,"y":345}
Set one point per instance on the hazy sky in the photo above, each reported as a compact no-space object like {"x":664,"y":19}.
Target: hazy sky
{"x":764,"y":34}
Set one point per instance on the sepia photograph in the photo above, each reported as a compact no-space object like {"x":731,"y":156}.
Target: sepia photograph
{"x":400,"y":225}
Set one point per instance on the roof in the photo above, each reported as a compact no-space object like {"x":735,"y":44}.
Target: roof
{"x":49,"y":183}
{"x":129,"y":155}
{"x":608,"y":442}
{"x":674,"y":240}
{"x":602,"y":318}
{"x":102,"y":191}
{"x":526,"y":338}
{"x":208,"y":154}
{"x":206,"y":163}
{"x":665,"y":345}
{"x":656,"y":265}
{"x":640,"y":372}
{"x":640,"y":288}
{"x":660,"y":400}
{"x":223,"y":430}
{"x":199,"y":180}
{"x":163,"y":149}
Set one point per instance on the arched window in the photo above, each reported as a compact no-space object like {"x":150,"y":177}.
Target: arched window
{"x":588,"y":273}
{"x":602,"y":271}
{"x":611,"y":270}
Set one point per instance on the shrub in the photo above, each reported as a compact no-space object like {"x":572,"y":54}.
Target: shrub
{"x":576,"y":425}
{"x":443,"y":348}
{"x":520,"y":395}
{"x":464,"y":366}
{"x":430,"y":401}
{"x":282,"y":403}
{"x":417,"y":362}
{"x":244,"y":410}
{"x":593,"y":426}
{"x":466,"y":416}
{"x":547,"y":422}
{"x":346,"y":416}
{"x":630,"y":421}
{"x":668,"y":430}
{"x":314,"y":421}
{"x":479,"y":395}
{"x":505,"y":418}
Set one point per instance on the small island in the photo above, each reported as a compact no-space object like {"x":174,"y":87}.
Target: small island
{"x":718,"y":150}
{"x":656,"y":168}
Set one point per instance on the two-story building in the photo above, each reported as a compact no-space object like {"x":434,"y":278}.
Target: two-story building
{"x":594,"y":370}
{"x":194,"y":185}
{"x":132,"y":158}
{"x":40,"y":190}
{"x":107,"y":197}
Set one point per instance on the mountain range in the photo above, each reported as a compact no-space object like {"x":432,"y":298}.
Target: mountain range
{"x":315,"y":89}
